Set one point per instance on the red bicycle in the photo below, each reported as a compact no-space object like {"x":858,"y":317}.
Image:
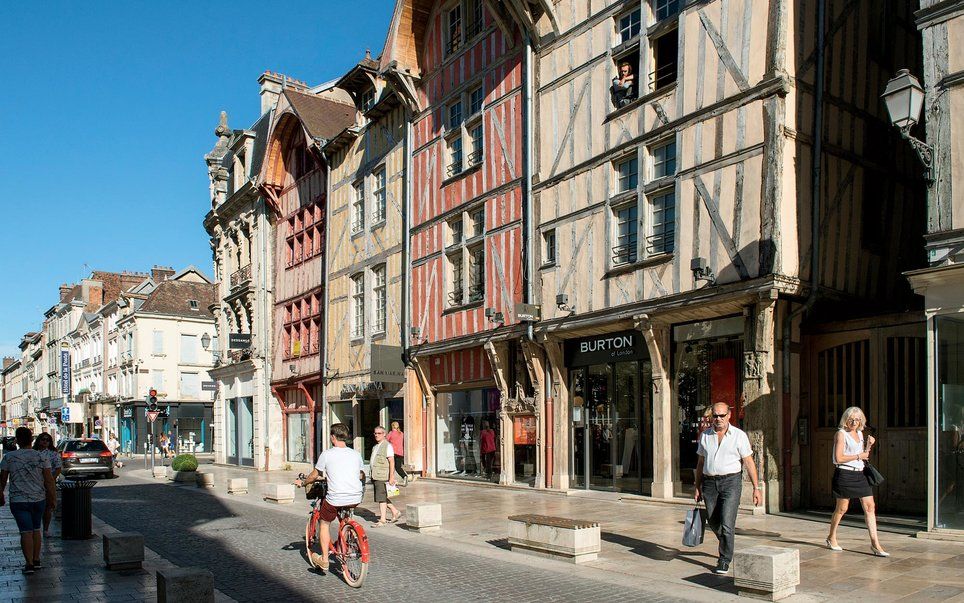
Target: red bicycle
{"x":350,"y":548}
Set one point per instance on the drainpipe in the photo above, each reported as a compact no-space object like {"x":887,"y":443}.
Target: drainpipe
{"x":323,"y":361}
{"x":406,"y":268}
{"x":817,"y":152}
{"x":264,"y":226}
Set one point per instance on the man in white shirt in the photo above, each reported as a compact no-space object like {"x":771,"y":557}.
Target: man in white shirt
{"x":342,"y":468}
{"x":723,"y":452}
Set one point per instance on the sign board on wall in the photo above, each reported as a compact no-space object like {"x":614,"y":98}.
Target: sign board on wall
{"x":524,"y":430}
{"x":387,"y":365}
{"x":239,"y":341}
{"x":609,"y":347}
{"x":65,"y":371}
{"x":74,"y":413}
{"x":209,"y":386}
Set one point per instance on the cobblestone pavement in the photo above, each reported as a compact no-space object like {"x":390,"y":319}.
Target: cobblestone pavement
{"x":256,"y":554}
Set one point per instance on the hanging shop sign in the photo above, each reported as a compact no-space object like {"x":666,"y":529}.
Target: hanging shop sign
{"x":65,"y":372}
{"x":387,"y":364}
{"x":524,"y":430}
{"x":609,"y":347}
{"x":127,"y":412}
{"x":239,"y":341}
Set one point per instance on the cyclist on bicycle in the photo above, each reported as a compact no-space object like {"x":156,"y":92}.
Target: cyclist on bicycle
{"x":342,"y":468}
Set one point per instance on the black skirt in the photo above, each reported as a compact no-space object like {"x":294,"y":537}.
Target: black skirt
{"x":850,"y":484}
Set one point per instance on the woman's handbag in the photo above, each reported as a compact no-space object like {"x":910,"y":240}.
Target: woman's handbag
{"x":693,"y":526}
{"x":874,"y":477}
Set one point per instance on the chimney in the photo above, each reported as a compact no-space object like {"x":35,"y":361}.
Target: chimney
{"x":7,"y":362}
{"x":161,"y":273}
{"x":270,"y":90}
{"x":93,"y":294}
{"x":64,"y":290}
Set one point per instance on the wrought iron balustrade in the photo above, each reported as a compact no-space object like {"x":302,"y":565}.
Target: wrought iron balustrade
{"x":241,"y":275}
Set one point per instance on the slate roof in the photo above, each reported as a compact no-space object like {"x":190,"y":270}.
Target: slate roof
{"x":260,"y":129}
{"x":172,"y":298}
{"x":322,"y":117}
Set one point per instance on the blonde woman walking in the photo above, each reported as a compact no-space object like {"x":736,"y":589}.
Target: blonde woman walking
{"x":850,"y":450}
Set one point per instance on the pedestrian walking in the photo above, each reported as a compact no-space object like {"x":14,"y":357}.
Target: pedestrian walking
{"x":165,"y":446}
{"x":31,"y":489}
{"x":45,"y":445}
{"x":114,"y":446}
{"x":723,"y":452}
{"x":850,"y":451}
{"x":396,"y":437}
{"x":382,"y":465}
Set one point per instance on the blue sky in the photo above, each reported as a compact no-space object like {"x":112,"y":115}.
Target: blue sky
{"x":106,"y":112}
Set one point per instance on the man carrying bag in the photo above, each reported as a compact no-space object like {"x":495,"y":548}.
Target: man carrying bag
{"x":693,"y":526}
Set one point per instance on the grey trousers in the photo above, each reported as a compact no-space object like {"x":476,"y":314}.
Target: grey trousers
{"x":722,"y":496}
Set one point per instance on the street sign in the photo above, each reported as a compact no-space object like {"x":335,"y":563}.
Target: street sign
{"x":528,"y":312}
{"x":209,"y":386}
{"x":239,"y":341}
{"x":65,"y":372}
{"x":65,"y":414}
{"x":152,"y":415}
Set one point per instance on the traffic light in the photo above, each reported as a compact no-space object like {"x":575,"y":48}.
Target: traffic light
{"x":152,"y":400}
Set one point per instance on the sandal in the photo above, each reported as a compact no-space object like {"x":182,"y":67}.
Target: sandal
{"x":378,"y":524}
{"x":394,"y":519}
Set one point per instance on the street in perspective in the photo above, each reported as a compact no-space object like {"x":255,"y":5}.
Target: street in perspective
{"x":483,"y":300}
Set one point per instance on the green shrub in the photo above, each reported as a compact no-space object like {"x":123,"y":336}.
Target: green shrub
{"x":184,"y":462}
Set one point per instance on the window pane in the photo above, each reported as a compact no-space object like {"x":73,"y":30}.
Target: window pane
{"x":379,"y":196}
{"x":626,"y":223}
{"x":358,"y":304}
{"x":666,"y":8}
{"x":190,"y":385}
{"x":475,"y":101}
{"x":476,"y":136}
{"x":456,"y":293}
{"x":455,"y":156}
{"x":550,"y":247}
{"x":189,"y":348}
{"x":455,"y":29}
{"x":629,"y":25}
{"x":456,"y":228}
{"x":158,"y":343}
{"x":628,"y":175}
{"x":476,"y":274}
{"x":378,"y":289}
{"x":455,"y":115}
{"x":358,"y":208}
{"x":478,"y":222}
{"x":663,"y":223}
{"x":664,"y":160}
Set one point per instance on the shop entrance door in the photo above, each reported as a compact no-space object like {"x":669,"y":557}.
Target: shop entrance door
{"x":608,"y":436}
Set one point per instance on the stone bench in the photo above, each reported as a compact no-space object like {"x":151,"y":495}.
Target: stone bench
{"x":123,"y":551}
{"x":555,"y":537}
{"x":160,"y":471}
{"x":205,"y":480}
{"x":281,"y":494}
{"x":423,"y":517}
{"x":181,"y":584}
{"x":238,"y":485}
{"x":766,"y":572}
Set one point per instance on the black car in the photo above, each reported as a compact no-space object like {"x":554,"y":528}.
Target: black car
{"x":86,"y":458}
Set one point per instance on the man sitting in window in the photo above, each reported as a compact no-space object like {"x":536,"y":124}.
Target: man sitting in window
{"x":623,"y":89}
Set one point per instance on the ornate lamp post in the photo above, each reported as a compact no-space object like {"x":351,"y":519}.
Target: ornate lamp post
{"x":904,"y":98}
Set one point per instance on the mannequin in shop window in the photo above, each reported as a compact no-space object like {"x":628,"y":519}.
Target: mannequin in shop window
{"x":467,"y":444}
{"x":487,"y":448}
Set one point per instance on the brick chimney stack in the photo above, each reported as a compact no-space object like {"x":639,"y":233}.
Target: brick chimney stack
{"x":161,"y":273}
{"x":64,"y":290}
{"x":8,"y":361}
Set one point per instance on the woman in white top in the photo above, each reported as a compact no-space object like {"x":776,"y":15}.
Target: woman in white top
{"x":850,"y":450}
{"x":45,"y":444}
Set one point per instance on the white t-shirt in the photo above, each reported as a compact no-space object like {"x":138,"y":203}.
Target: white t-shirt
{"x":341,"y":466}
{"x":723,"y":458}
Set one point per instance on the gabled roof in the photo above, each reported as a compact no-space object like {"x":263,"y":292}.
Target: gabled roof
{"x":173,"y":298}
{"x":321,"y":116}
{"x":260,"y":129}
{"x":191,"y":273}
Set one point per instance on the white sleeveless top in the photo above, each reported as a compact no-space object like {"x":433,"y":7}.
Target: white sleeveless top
{"x":851,"y":448}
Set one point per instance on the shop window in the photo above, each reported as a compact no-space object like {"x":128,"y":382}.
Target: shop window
{"x":358,"y":305}
{"x":549,"y":247}
{"x":662,"y":223}
{"x":624,"y":252}
{"x":664,"y":52}
{"x":378,"y":195}
{"x":299,"y":438}
{"x":664,"y":160}
{"x":949,"y":418}
{"x":358,"y":208}
{"x":380,"y":299}
{"x":468,"y":437}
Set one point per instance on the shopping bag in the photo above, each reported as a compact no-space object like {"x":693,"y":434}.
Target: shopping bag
{"x":693,"y":526}
{"x":874,"y":477}
{"x":392,"y":490}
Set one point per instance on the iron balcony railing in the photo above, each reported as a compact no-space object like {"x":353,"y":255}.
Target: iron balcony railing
{"x":241,"y":275}
{"x":624,"y":254}
{"x":475,"y":158}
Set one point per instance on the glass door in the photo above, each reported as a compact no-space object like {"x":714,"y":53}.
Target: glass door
{"x":626,"y":434}
{"x":577,"y":459}
{"x":246,"y":431}
{"x":231,"y":422}
{"x":949,"y":356}
{"x":599,"y":427}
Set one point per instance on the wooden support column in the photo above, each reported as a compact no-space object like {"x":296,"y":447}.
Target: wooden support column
{"x":762,"y":416}
{"x":428,"y":417}
{"x":497,"y":355}
{"x":559,"y":393}
{"x":536,"y":366}
{"x":657,"y":338}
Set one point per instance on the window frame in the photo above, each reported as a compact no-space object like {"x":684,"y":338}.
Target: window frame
{"x":549,"y":247}
{"x":639,"y":24}
{"x":467,"y":132}
{"x":379,"y":195}
{"x":469,"y":30}
{"x":462,"y":286}
{"x":651,"y":224}
{"x":379,"y":304}
{"x":357,"y":296}
{"x":358,"y":207}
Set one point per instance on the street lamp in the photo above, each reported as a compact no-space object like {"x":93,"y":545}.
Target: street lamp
{"x":205,"y":341}
{"x":904,"y":99}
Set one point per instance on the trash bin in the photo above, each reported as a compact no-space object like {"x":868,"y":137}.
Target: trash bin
{"x":75,"y":497}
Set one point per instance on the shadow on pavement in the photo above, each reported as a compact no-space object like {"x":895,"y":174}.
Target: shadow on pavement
{"x":657,"y":552}
{"x":713,"y":581}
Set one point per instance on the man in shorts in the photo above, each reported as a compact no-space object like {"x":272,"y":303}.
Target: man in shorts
{"x":32,"y":489}
{"x":342,"y":468}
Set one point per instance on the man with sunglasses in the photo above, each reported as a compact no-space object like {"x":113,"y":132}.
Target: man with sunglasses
{"x":723,"y":452}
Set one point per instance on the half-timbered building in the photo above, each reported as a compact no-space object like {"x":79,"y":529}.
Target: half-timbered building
{"x":462,"y":64}
{"x":365,"y":270}
{"x":713,"y":181}
{"x":293,"y":182}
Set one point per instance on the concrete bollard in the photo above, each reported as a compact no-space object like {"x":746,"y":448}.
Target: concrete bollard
{"x":766,"y":572}
{"x":123,"y":551}
{"x":205,"y":480}
{"x":160,"y":471}
{"x":424,"y":517}
{"x":281,"y":494}
{"x":185,"y":584}
{"x":238,"y":485}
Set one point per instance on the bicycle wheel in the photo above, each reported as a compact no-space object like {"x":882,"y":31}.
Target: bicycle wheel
{"x":353,"y":568}
{"x":311,"y":539}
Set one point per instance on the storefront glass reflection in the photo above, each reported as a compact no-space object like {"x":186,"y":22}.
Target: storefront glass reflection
{"x":467,"y":434}
{"x":950,"y":417}
{"x":298,"y":437}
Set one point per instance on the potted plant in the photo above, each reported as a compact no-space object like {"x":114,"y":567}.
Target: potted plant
{"x":184,"y":467}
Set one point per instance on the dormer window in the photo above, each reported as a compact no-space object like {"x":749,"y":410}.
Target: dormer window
{"x":367,"y":99}
{"x":193,"y":304}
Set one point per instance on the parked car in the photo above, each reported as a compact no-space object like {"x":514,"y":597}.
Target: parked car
{"x":86,"y":458}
